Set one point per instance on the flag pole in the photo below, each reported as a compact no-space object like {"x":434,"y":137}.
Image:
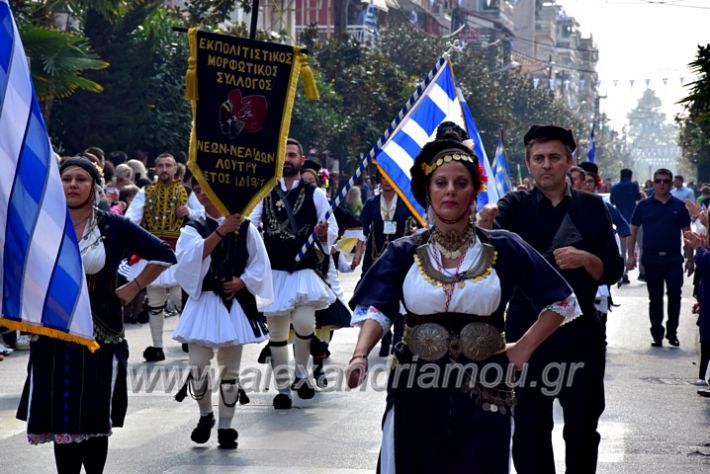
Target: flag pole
{"x":254,"y":17}
{"x":366,"y":158}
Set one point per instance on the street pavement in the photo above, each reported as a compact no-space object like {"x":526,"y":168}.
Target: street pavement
{"x":654,"y":421}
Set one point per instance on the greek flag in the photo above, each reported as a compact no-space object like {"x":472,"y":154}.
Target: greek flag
{"x":42,"y":282}
{"x":501,"y":170}
{"x":441,"y":100}
{"x":592,"y":153}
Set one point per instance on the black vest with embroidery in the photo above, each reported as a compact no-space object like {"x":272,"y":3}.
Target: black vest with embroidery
{"x":282,"y":241}
{"x":229,"y":259}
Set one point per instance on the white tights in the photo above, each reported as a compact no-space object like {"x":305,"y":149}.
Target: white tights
{"x":303,"y":319}
{"x":228,"y":359}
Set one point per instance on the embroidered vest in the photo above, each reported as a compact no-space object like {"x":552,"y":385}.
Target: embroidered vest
{"x":161,"y":201}
{"x":283,"y":241}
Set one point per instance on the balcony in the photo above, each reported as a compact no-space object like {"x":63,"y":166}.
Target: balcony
{"x":365,"y":35}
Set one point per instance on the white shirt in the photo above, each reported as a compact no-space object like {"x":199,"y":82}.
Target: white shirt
{"x":322,"y":208}
{"x":135,"y":210}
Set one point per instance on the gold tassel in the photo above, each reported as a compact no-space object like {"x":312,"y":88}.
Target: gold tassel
{"x":310,"y":89}
{"x":191,"y":74}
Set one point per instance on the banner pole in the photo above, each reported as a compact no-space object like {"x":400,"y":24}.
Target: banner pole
{"x":376,"y":148}
{"x":254,"y":17}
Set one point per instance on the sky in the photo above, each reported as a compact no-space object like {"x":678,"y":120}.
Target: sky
{"x":640,"y":40}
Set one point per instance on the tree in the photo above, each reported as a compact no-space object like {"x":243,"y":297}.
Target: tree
{"x":57,"y":58}
{"x":695,"y":124}
{"x":647,"y":124}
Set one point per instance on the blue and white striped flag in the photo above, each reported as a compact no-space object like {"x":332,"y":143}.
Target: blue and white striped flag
{"x":42,"y":282}
{"x":501,"y":170}
{"x":440,"y":101}
{"x":592,"y":153}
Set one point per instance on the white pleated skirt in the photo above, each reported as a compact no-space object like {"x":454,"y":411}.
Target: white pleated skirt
{"x":206,"y":321}
{"x":300,"y":288}
{"x":164,"y":280}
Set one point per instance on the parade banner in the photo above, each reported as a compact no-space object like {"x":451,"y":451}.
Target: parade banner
{"x":242,"y":94}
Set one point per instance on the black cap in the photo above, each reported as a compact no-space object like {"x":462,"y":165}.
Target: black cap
{"x":311,"y":165}
{"x":550,"y":132}
{"x":590,"y":167}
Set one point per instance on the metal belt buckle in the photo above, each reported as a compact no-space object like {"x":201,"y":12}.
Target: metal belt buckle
{"x":429,"y":341}
{"x":479,"y":341}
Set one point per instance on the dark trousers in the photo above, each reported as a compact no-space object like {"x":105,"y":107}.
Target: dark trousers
{"x":658,"y":271}
{"x":582,"y":398}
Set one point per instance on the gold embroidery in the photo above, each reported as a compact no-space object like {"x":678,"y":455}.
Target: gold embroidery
{"x":161,"y":202}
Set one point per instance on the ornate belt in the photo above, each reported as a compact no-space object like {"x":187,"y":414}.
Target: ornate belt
{"x":476,"y":341}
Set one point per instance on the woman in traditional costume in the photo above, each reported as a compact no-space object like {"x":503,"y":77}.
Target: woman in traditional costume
{"x":74,"y":397}
{"x":224,"y":268}
{"x":450,"y":390}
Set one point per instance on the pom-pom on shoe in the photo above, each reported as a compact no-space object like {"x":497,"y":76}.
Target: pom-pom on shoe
{"x":201,"y":433}
{"x":282,"y":402}
{"x":227,"y":438}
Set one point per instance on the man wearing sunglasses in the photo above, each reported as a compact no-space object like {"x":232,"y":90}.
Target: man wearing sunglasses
{"x":664,"y":219}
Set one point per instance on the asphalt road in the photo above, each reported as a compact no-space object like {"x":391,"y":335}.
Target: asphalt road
{"x":654,"y":421}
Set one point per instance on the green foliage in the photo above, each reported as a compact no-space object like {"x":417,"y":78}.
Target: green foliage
{"x":695,"y":125}
{"x":124,"y":112}
{"x":57,"y":60}
{"x":647,"y":124}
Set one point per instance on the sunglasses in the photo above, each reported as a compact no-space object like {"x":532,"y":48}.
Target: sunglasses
{"x":661,"y":181}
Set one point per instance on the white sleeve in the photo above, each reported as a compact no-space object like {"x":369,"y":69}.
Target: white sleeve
{"x":343,"y":265}
{"x":257,"y":274}
{"x":568,"y":308}
{"x":191,"y":268}
{"x":255,"y":215}
{"x":134,"y":213}
{"x":322,"y":208}
{"x":194,"y":208}
{"x":363,"y":313}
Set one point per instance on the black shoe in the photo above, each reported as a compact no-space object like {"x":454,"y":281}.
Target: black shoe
{"x":657,"y":343}
{"x":319,"y":376}
{"x":303,"y":388}
{"x":282,"y":402}
{"x":264,"y":355}
{"x":625,"y":279}
{"x":704,"y":393}
{"x":227,"y":439}
{"x":673,"y":341}
{"x":201,"y":433}
{"x":642,"y":278}
{"x":153,"y":354}
{"x":185,"y":348}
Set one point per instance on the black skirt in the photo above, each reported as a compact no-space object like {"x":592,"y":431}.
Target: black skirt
{"x":70,"y":390}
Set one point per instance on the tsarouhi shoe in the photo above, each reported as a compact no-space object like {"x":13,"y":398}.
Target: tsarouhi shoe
{"x":227,"y":438}
{"x":153,"y":354}
{"x":303,"y":388}
{"x":201,"y":433}
{"x":282,"y":402}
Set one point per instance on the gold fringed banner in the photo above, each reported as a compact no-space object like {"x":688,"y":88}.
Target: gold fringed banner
{"x":242,"y":93}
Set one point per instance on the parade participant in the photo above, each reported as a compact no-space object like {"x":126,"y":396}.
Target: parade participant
{"x":288,"y":216}
{"x":455,"y":281}
{"x":384,"y":219}
{"x":664,"y":218}
{"x":699,"y":243}
{"x":572,"y":230}
{"x":223,"y":266}
{"x":162,"y":208}
{"x":73,"y":397}
{"x":624,"y":195}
